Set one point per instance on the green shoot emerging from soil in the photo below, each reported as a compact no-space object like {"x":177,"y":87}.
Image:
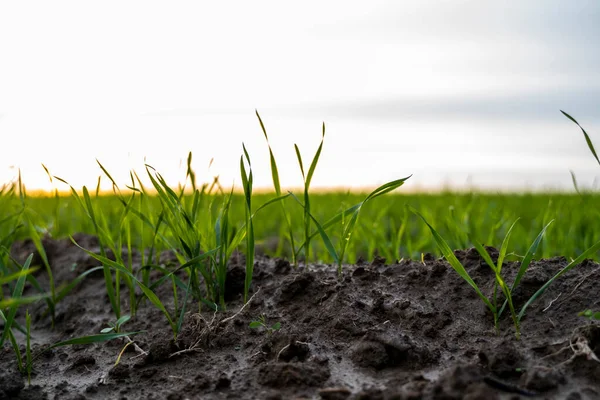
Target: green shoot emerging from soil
{"x":307,"y":179}
{"x":497,"y":269}
{"x":261,"y":322}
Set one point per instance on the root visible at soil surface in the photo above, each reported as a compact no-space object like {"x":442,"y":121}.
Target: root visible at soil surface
{"x":408,"y":330}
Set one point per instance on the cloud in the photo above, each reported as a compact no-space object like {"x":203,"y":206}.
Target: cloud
{"x":533,"y":105}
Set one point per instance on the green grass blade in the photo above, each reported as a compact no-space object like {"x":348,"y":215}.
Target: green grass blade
{"x":529,"y":256}
{"x":586,"y":254}
{"x":484,"y":254}
{"x":386,"y":188}
{"x":274,"y":170}
{"x":17,"y":302}
{"x":587,"y":137}
{"x":103,"y":337}
{"x":324,"y":236}
{"x":299,"y":160}
{"x":315,"y":160}
{"x":453,"y":261}
{"x":28,"y":358}
{"x":504,"y":246}
{"x":16,"y":275}
{"x":574,"y":180}
{"x":152,"y":297}
{"x":14,"y":301}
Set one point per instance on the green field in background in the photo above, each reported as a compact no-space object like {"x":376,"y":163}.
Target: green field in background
{"x":385,"y":226}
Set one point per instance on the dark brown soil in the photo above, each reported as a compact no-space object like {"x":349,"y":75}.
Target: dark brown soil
{"x":405,"y":330}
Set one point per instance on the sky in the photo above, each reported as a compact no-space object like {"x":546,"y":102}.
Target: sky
{"x":456,"y":93}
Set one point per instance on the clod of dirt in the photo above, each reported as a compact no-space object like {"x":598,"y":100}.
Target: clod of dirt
{"x":294,"y":286}
{"x":378,"y":261}
{"x":294,"y":351}
{"x":223,"y":382}
{"x":438,"y":269}
{"x":11,"y":383}
{"x":380,"y":351}
{"x":539,"y":379}
{"x":234,"y":282}
{"x":33,"y":392}
{"x":282,"y":266}
{"x":82,"y":360}
{"x":470,"y":258}
{"x":462,"y":382}
{"x":335,"y":393}
{"x":370,"y":394}
{"x":119,"y":372}
{"x":281,"y":375}
{"x":161,"y":350}
{"x":365,"y":274}
{"x":503,"y":360}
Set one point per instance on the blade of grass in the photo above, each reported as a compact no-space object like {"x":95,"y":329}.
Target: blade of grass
{"x":587,"y":137}
{"x":586,"y":254}
{"x":453,"y":261}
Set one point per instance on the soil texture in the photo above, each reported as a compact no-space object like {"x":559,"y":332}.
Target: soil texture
{"x":383,"y":330}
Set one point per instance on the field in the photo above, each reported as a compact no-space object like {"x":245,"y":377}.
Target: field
{"x":172,"y":292}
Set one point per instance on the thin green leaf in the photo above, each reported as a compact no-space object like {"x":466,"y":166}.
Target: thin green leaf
{"x":453,"y":261}
{"x":586,"y":254}
{"x":587,"y":137}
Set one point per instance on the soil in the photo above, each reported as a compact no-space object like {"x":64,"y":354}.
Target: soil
{"x":401,"y":330}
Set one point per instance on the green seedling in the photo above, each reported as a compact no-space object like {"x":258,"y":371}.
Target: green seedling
{"x":247,"y":180}
{"x":507,"y":291}
{"x":150,"y":295}
{"x":116,"y":326}
{"x":105,"y":240}
{"x":277,"y":187}
{"x":9,"y":307}
{"x":587,"y":313}
{"x":261,"y":322}
{"x":585,"y":134}
{"x":593,"y":315}
{"x":306,"y":204}
{"x":28,"y":358}
{"x":194,"y":236}
{"x":348,"y":218}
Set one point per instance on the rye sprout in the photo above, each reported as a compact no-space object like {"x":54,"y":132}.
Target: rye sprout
{"x":497,"y":269}
{"x":277,"y":187}
{"x":348,"y":218}
{"x":9,"y":307}
{"x":247,"y":181}
{"x":101,"y":229}
{"x":588,"y":313}
{"x":306,"y":205}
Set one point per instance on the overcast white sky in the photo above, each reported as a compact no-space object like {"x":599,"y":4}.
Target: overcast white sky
{"x":451,"y":91}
